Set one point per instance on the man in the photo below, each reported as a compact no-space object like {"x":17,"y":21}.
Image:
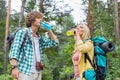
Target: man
{"x":23,"y":58}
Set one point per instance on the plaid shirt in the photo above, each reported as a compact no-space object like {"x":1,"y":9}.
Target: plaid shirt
{"x":24,"y":55}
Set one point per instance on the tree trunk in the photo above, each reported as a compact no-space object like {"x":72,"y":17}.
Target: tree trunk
{"x":117,"y":34}
{"x":41,"y":6}
{"x":21,"y":13}
{"x":90,"y":18}
{"x":6,"y":34}
{"x":108,"y":4}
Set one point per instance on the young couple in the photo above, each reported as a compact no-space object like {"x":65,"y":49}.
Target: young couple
{"x":26,"y":56}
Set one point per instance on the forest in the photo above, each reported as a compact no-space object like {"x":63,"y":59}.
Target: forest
{"x":103,"y":19}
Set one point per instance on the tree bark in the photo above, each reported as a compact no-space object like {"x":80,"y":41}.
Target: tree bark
{"x":41,"y":6}
{"x":90,"y":18}
{"x":108,"y":4}
{"x":117,"y":34}
{"x":21,"y":13}
{"x":6,"y":34}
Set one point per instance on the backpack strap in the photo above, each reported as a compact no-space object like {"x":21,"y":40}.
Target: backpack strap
{"x":92,"y":62}
{"x":23,"y":44}
{"x":26,"y":34}
{"x":86,"y":57}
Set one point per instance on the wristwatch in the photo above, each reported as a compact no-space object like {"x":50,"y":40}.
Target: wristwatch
{"x":14,"y":66}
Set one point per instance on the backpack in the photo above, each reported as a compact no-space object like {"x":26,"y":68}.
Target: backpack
{"x":10,"y":38}
{"x":99,"y":62}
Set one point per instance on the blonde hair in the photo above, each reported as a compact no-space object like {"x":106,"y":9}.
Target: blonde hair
{"x":86,"y":33}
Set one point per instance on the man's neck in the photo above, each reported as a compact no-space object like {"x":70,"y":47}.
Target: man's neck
{"x":34,"y":30}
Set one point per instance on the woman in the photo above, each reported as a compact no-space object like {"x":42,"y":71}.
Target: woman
{"x":82,"y":45}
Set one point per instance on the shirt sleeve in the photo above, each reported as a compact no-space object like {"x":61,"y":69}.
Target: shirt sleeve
{"x":16,"y":45}
{"x":47,"y":43}
{"x":84,"y":47}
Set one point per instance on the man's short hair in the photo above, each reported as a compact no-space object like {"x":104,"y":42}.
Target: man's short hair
{"x":32,"y":16}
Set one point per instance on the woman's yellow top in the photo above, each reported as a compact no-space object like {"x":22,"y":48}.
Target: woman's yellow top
{"x":84,"y":47}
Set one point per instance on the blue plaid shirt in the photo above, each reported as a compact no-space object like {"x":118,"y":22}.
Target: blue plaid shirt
{"x":24,"y":55}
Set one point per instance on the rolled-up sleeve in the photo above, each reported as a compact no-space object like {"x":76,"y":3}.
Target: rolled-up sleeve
{"x":84,"y":47}
{"x":16,"y":45}
{"x":47,"y":43}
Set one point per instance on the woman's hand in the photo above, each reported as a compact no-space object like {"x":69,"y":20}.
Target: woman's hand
{"x":76,"y":36}
{"x":15,"y":73}
{"x":76,"y":31}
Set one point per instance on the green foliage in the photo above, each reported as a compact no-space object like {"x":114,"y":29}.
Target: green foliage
{"x":104,"y":25}
{"x":66,"y":54}
{"x":2,"y":22}
{"x":103,"y":20}
{"x":30,"y":6}
{"x":55,"y":10}
{"x":1,"y":63}
{"x":6,"y":77}
{"x":14,"y":18}
{"x":47,"y":72}
{"x":2,"y":33}
{"x":58,"y":60}
{"x":66,"y":73}
{"x":2,"y":9}
{"x":114,"y":64}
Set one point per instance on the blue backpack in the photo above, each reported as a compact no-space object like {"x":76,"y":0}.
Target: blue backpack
{"x":99,"y":62}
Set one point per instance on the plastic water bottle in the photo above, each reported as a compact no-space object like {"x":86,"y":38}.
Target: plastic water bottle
{"x":45,"y":25}
{"x":70,"y":33}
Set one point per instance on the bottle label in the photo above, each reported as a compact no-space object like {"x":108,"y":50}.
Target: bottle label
{"x":70,"y":33}
{"x":45,"y":25}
